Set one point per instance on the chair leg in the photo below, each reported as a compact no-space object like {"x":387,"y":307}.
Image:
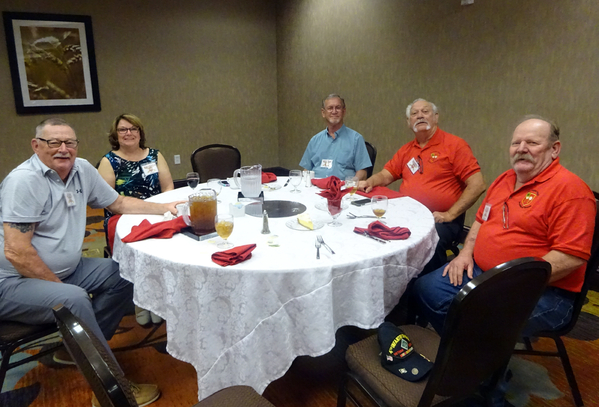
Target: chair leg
{"x":563,"y":355}
{"x":4,"y":365}
{"x":342,"y":393}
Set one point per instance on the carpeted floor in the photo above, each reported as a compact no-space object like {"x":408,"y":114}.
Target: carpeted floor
{"x":537,"y":381}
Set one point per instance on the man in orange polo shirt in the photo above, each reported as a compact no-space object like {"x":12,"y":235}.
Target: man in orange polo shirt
{"x":437,"y":169}
{"x":537,"y":208}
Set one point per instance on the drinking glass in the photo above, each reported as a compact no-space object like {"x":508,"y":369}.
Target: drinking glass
{"x":214,"y":183}
{"x":335,"y":206}
{"x":224,"y":228}
{"x":295,"y":176}
{"x":379,"y":206}
{"x":351,"y":183}
{"x":193,"y":179}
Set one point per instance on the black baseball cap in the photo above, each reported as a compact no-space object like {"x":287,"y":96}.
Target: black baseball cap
{"x":398,"y":355}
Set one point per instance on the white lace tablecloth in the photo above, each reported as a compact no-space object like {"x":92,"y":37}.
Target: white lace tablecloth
{"x":245,"y":324}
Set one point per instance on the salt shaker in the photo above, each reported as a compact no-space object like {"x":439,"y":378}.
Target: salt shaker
{"x":265,"y":229}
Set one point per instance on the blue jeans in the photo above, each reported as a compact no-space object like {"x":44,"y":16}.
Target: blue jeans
{"x":434,"y":294}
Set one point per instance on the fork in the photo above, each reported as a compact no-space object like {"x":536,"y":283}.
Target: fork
{"x":352,"y":216}
{"x":317,"y":244}
{"x":321,"y":241}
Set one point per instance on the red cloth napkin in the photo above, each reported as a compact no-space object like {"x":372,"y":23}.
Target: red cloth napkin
{"x":268,"y":177}
{"x":234,"y":255}
{"x":328,"y":182}
{"x":389,"y":193}
{"x":111,"y":230}
{"x":383,"y":231}
{"x":160,"y":230}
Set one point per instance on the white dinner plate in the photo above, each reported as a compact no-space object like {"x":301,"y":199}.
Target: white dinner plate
{"x":271,"y":187}
{"x":294,"y":224}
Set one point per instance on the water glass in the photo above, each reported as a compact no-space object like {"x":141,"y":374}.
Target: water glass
{"x":295,"y":177}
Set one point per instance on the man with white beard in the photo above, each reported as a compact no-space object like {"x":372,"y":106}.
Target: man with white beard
{"x":437,"y":169}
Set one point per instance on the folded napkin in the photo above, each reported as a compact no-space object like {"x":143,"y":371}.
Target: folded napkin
{"x":160,"y":230}
{"x":268,"y":177}
{"x":389,"y":193}
{"x":328,"y":182}
{"x":383,"y":231}
{"x":234,"y":255}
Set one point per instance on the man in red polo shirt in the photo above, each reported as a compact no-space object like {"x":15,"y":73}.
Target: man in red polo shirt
{"x":537,"y":208}
{"x":437,"y":169}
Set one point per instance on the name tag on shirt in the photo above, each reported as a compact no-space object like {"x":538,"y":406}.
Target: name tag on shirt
{"x":70,"y":198}
{"x":486,"y":212}
{"x":413,"y":165}
{"x":149,"y":168}
{"x":326,"y":164}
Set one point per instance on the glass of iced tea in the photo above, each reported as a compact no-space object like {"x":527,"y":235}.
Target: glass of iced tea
{"x":202,"y":210}
{"x":379,"y":206}
{"x":224,"y":228}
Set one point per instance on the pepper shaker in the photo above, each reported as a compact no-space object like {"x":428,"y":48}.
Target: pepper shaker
{"x":265,"y":229}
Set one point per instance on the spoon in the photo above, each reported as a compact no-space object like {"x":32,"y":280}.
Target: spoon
{"x":352,"y":216}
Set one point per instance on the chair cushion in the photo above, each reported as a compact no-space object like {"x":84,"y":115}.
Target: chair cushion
{"x":235,"y":396}
{"x":12,"y":331}
{"x":364,"y":360}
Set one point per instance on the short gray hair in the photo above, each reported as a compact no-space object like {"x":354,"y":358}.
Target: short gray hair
{"x":53,"y":121}
{"x":553,"y":127}
{"x":420,"y":100}
{"x":332,"y":96}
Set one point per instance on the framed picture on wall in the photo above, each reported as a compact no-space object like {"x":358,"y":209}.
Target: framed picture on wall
{"x":52,"y":63}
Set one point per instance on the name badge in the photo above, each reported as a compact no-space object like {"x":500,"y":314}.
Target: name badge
{"x":326,"y":164}
{"x":486,"y":212}
{"x":70,"y":198}
{"x":149,"y":168}
{"x":413,"y":165}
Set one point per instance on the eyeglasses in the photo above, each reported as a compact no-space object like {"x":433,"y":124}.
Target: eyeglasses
{"x":57,"y":143}
{"x":124,"y":130}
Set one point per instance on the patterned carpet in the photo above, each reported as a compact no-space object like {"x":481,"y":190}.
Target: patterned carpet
{"x":537,"y":381}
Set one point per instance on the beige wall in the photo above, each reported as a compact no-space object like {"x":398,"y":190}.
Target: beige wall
{"x":252,"y":73}
{"x":195,"y":72}
{"x":484,"y":65}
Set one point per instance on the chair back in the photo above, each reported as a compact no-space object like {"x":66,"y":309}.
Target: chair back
{"x":215,"y":161}
{"x":97,"y":366}
{"x":372,"y":154}
{"x":482,"y":326}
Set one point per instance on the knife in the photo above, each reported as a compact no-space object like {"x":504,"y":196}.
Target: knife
{"x":372,"y":237}
{"x":286,"y":182}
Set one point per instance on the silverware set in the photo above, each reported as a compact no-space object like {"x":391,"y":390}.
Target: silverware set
{"x":352,"y":216}
{"x":378,"y":239}
{"x":320,"y":242}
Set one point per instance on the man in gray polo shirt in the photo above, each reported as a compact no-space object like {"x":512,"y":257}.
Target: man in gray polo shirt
{"x":43,"y":212}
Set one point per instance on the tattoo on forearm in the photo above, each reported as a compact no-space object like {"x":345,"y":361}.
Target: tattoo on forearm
{"x":22,"y":227}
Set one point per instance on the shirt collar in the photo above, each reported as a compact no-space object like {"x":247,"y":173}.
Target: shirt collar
{"x":435,"y":140}
{"x":337,"y":133}
{"x":46,"y":171}
{"x":545,"y":175}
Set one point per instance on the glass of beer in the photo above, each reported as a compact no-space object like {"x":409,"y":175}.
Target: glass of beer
{"x":202,"y":211}
{"x":224,"y":228}
{"x":379,"y":206}
{"x":351,"y":183}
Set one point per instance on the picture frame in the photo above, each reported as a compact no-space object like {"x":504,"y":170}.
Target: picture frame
{"x":52,"y":63}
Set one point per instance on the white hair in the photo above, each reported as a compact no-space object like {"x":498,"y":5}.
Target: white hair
{"x":420,"y":100}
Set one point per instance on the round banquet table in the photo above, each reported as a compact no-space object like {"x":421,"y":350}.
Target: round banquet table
{"x":245,"y":324}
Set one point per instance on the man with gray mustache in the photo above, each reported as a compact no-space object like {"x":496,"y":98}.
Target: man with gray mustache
{"x":437,"y":169}
{"x":537,"y":208}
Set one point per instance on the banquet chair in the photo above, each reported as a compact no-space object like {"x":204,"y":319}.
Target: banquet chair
{"x":372,"y":154}
{"x":592,"y":267}
{"x":107,"y":381}
{"x":16,"y":335}
{"x":215,"y":161}
{"x":482,"y":326}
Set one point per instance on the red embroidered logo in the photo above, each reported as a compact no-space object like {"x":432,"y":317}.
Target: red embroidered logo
{"x":434,"y":156}
{"x":526,"y":202}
